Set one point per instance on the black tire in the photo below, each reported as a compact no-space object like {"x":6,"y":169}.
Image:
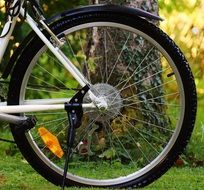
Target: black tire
{"x":168,"y":151}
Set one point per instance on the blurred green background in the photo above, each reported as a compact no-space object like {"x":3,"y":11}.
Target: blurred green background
{"x":183,"y":23}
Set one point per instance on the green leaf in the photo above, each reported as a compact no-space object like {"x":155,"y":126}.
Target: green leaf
{"x":108,"y":154}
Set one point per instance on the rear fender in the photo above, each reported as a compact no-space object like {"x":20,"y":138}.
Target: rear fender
{"x":127,"y":11}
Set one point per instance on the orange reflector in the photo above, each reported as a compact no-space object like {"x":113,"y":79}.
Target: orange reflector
{"x":51,"y":142}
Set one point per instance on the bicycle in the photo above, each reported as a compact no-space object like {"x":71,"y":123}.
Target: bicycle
{"x":98,"y":96}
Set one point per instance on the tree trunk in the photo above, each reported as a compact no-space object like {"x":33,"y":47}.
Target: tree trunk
{"x":96,"y":39}
{"x":150,"y":6}
{"x":145,"y":111}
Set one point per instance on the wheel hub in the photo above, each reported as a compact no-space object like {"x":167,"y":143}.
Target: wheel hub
{"x":111,"y":102}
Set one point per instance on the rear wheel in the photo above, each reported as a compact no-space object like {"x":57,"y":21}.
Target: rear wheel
{"x":146,"y":83}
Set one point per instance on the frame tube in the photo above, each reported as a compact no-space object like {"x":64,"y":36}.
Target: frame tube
{"x":37,"y":108}
{"x":57,"y":52}
{"x":9,"y":25}
{"x":12,"y":118}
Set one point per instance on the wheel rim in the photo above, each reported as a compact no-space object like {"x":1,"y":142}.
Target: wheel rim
{"x":151,"y":161}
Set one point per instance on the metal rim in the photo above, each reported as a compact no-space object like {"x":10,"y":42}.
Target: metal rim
{"x":158,"y":159}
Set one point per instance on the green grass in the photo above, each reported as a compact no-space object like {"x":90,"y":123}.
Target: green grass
{"x":17,"y":174}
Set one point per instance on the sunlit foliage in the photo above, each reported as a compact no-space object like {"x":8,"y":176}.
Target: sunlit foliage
{"x":184,"y":23}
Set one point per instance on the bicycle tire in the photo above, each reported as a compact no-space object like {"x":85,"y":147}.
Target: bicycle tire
{"x":155,"y":165}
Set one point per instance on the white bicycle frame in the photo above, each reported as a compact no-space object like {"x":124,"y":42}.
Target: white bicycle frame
{"x":41,"y":104}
